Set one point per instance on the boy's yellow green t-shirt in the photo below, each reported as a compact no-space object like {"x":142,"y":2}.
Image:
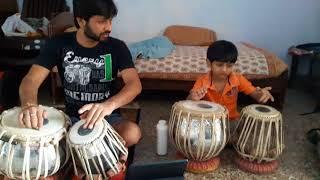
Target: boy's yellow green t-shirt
{"x":229,"y":97}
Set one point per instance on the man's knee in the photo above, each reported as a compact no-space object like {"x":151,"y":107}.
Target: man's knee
{"x":133,"y":135}
{"x":130,"y":132}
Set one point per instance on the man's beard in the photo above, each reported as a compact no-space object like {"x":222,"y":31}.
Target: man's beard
{"x":90,"y":34}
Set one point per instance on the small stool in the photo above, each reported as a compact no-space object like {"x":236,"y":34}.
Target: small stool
{"x":311,"y":50}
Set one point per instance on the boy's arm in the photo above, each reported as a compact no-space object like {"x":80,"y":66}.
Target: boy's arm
{"x":198,"y":91}
{"x":197,"y":94}
{"x":262,"y":95}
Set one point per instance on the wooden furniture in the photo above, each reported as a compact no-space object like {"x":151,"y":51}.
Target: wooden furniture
{"x":7,"y":8}
{"x":41,"y":8}
{"x":303,"y":51}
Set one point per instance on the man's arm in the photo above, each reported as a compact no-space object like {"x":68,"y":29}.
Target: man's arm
{"x":132,"y":88}
{"x":31,"y":115}
{"x":97,"y":111}
{"x":30,"y":84}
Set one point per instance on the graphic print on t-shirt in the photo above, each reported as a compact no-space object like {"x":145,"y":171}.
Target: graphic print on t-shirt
{"x":85,"y":78}
{"x":107,"y":69}
{"x":79,"y":74}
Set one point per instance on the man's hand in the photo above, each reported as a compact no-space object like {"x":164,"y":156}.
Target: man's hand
{"x":197,"y":94}
{"x":32,"y":116}
{"x":95,"y":112}
{"x":264,"y":95}
{"x":121,"y":165}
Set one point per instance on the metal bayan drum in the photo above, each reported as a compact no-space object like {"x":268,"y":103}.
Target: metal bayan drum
{"x":259,"y":137}
{"x":28,"y":153}
{"x":97,"y":150}
{"x":198,"y":129}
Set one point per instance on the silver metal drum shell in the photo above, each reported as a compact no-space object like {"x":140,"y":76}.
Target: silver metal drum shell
{"x":18,"y":157}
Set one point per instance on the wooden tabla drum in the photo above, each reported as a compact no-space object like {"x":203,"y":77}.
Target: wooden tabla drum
{"x":27,"y":153}
{"x":96,"y":150}
{"x":259,"y":139}
{"x":198,"y":129}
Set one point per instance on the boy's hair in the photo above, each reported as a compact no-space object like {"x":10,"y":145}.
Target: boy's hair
{"x":87,"y":8}
{"x":222,"y":51}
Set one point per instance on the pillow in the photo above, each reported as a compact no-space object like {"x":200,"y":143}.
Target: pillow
{"x":154,"y":48}
{"x":190,"y":36}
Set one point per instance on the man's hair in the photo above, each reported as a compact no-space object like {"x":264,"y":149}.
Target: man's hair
{"x":222,"y":51}
{"x":87,"y":8}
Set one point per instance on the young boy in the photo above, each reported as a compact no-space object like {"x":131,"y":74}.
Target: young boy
{"x":221,"y":84}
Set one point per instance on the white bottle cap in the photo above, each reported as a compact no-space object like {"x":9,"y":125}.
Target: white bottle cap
{"x":162,"y":122}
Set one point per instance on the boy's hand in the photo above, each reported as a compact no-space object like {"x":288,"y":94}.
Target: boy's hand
{"x":264,"y":95}
{"x":197,"y":94}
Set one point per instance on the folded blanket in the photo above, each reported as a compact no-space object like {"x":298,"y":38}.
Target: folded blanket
{"x":155,"y":48}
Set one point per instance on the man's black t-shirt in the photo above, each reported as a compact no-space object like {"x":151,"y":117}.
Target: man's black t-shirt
{"x":87,"y":74}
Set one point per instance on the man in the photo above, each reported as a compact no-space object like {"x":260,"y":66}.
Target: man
{"x":88,"y":61}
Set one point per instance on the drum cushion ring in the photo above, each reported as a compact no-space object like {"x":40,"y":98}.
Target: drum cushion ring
{"x":256,"y":168}
{"x":199,"y":167}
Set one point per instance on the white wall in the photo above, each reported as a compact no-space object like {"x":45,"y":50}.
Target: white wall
{"x":272,"y":24}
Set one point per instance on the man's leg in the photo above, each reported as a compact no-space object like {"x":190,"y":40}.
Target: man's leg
{"x":129,"y":131}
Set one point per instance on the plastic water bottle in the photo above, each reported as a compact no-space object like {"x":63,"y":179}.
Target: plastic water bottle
{"x":162,"y":137}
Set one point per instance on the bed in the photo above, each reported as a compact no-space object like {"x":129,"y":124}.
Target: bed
{"x":180,"y":69}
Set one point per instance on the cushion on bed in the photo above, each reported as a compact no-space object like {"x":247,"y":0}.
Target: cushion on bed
{"x":157,"y":47}
{"x":276,"y":66}
{"x":190,"y":36}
